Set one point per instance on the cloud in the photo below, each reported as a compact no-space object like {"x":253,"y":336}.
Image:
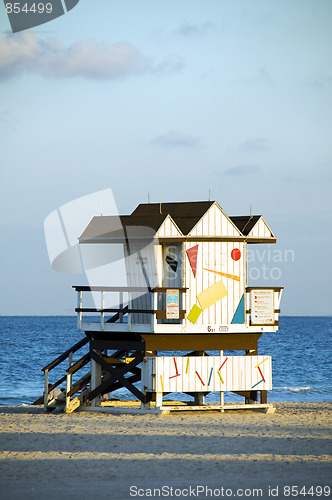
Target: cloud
{"x":189,"y":29}
{"x":243,"y":170}
{"x":26,"y":53}
{"x":175,"y":139}
{"x":258,"y":144}
{"x":170,"y":64}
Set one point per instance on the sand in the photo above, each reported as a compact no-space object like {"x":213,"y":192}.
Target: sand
{"x":95,"y":455}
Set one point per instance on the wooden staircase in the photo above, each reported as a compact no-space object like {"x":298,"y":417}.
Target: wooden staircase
{"x":117,"y":360}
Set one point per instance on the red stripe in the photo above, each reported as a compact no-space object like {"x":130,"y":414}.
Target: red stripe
{"x":222,"y":365}
{"x":176,"y":368}
{"x":260,"y":371}
{"x":199,"y":377}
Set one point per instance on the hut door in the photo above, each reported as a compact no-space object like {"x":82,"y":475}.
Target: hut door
{"x":172,"y":265}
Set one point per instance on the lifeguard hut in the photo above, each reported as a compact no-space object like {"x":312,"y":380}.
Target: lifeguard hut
{"x":186,"y":294}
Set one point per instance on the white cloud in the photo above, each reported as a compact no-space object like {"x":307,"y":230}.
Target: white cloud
{"x":26,"y":53}
{"x":174,"y":139}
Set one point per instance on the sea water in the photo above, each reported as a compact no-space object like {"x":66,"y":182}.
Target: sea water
{"x":300,"y":350}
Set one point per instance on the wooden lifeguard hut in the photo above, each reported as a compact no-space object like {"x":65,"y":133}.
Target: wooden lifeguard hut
{"x":186,"y":294}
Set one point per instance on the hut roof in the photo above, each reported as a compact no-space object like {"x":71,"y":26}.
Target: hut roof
{"x":106,"y":227}
{"x":147,"y":218}
{"x":245,"y":223}
{"x":185,"y":215}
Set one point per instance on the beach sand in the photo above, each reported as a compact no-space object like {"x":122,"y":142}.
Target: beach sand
{"x":97,"y":455}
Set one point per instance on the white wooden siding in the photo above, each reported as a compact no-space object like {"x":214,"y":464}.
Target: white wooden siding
{"x":168,"y":228}
{"x":215,"y":223}
{"x":207,"y":373}
{"x":215,"y":256}
{"x":260,"y":230}
{"x":137,"y":278}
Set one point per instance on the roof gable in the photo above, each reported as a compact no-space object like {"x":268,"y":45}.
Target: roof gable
{"x":189,"y":219}
{"x":245,"y":223}
{"x":215,"y":223}
{"x":261,"y":230}
{"x":168,"y":229}
{"x":186,"y":215}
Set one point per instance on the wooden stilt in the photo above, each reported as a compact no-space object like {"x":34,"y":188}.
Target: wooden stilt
{"x":159,"y":399}
{"x":46,"y":389}
{"x":95,"y":378}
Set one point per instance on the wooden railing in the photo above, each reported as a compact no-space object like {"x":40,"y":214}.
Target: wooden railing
{"x":122,"y":310}
{"x":66,"y":355}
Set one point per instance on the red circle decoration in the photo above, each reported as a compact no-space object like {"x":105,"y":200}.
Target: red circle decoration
{"x":236,"y":254}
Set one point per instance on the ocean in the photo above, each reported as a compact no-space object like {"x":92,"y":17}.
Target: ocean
{"x":300,"y":350}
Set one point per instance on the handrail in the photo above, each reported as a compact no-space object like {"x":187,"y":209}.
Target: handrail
{"x":125,"y":288}
{"x":65,"y":355}
{"x":117,"y":316}
{"x":124,"y":310}
{"x":112,"y":288}
{"x":275,"y":288}
{"x":79,"y":364}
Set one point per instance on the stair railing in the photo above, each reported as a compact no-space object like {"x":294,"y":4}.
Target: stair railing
{"x":66,"y":355}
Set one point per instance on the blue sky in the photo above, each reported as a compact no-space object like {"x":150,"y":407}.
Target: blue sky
{"x":173,"y":99}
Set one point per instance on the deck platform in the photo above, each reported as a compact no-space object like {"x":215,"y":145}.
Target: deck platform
{"x":134,"y":407}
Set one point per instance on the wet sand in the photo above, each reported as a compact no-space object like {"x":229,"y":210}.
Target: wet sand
{"x":96,"y":455}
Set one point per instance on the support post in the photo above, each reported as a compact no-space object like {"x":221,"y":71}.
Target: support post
{"x":79,"y":306}
{"x":46,"y":389}
{"x":121,"y":307}
{"x":102,"y":314}
{"x":263,"y":397}
{"x":159,"y":399}
{"x":95,"y":378}
{"x":69,"y":379}
{"x":222,"y":399}
{"x":68,"y":387}
{"x":199,"y":396}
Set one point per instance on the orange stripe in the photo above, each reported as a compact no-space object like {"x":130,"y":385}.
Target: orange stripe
{"x":231,"y":276}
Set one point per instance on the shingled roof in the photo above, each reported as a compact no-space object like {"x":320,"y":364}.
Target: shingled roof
{"x":105,"y":227}
{"x":245,"y":223}
{"x":147,"y":218}
{"x":185,"y":215}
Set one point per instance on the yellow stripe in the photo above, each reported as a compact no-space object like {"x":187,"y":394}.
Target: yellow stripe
{"x":261,"y":362}
{"x":231,"y":276}
{"x":162,"y":383}
{"x":221,"y":378}
{"x":187,"y":367}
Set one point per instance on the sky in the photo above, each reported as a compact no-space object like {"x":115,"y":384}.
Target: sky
{"x":180,"y":101}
